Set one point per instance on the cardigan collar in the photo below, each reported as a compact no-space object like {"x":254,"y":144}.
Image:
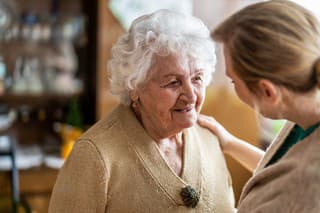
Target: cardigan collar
{"x":275,"y":145}
{"x":150,"y":156}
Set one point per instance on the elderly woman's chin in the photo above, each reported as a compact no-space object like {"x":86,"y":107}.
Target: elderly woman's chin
{"x":185,"y":118}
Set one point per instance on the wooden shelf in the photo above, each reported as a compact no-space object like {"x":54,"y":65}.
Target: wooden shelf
{"x":42,"y":99}
{"x":35,"y":180}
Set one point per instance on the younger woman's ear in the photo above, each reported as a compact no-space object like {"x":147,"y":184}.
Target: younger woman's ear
{"x":268,"y":90}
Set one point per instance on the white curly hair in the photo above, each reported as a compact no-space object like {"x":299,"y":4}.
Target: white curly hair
{"x":161,"y":33}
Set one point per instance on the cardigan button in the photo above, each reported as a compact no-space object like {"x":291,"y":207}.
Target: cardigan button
{"x":189,"y":196}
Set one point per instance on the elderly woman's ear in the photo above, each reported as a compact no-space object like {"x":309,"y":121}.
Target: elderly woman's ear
{"x":134,"y":97}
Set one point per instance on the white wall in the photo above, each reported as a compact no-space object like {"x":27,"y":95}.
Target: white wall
{"x":212,"y":12}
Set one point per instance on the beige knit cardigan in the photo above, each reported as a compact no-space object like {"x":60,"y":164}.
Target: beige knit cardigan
{"x":117,"y":167}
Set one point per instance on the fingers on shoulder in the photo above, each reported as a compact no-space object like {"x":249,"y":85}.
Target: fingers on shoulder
{"x":206,"y":119}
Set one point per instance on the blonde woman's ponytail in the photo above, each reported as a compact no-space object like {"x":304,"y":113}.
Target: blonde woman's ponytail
{"x":316,"y":70}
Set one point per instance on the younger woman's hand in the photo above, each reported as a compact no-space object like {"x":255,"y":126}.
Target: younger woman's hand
{"x":242,"y":151}
{"x":225,"y":138}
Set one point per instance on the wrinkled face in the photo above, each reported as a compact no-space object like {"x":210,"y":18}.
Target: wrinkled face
{"x":172,"y":96}
{"x":239,"y":85}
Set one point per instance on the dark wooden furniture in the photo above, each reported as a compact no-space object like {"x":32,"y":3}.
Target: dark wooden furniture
{"x":30,"y":189}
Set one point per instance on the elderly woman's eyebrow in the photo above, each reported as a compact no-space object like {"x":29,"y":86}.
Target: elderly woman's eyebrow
{"x":172,"y":75}
{"x":197,"y":72}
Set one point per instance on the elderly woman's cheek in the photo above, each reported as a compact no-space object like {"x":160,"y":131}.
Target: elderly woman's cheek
{"x":200,"y":98}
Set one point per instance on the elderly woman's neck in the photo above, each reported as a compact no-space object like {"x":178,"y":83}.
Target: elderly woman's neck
{"x":159,"y":136}
{"x":177,"y":139}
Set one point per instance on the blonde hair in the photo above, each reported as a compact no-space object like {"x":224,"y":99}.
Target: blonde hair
{"x":276,"y":40}
{"x":161,"y":33}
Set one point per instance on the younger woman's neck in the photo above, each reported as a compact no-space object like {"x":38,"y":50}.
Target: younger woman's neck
{"x":304,"y":110}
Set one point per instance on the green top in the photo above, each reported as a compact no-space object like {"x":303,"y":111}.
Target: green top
{"x":296,"y":135}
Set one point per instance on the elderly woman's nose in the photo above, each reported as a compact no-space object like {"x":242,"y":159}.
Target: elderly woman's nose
{"x":188,"y":92}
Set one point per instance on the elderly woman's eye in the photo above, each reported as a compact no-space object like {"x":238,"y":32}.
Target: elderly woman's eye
{"x":173,"y":83}
{"x":198,"y":79}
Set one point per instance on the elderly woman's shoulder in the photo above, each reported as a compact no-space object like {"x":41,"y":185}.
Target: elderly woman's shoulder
{"x":205,"y":135}
{"x":105,"y":130}
{"x":206,"y":139}
{"x":204,"y":131}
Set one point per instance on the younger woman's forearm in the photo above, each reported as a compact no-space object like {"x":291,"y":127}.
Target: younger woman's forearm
{"x":245,"y":153}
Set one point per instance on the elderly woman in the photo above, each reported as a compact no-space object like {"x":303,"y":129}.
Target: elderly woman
{"x":149,"y":155}
{"x":272,"y":54}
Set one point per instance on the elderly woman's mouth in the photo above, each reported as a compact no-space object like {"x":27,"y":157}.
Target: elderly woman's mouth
{"x":184,"y":110}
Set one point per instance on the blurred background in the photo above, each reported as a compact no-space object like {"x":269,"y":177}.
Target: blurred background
{"x":53,"y":86}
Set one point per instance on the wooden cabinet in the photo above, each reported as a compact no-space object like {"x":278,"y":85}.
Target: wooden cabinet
{"x":109,"y":30}
{"x":38,"y":108}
